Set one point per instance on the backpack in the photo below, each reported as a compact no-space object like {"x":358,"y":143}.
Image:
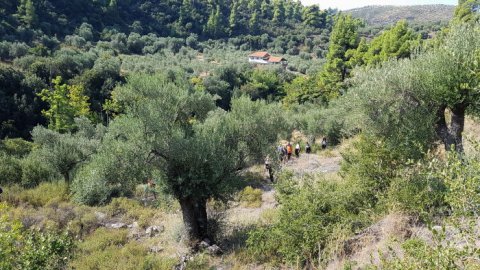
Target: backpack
{"x":289,"y":149}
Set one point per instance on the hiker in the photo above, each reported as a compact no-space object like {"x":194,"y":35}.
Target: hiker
{"x":281,"y":152}
{"x":289,"y":151}
{"x":324,"y":143}
{"x":297,"y":150}
{"x":268,"y":167}
{"x":308,"y":148}
{"x":150,"y":187}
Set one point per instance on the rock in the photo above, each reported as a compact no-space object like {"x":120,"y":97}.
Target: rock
{"x":156,"y":249}
{"x":154,"y":230}
{"x":100,"y":215}
{"x":118,"y":225}
{"x":133,"y":225}
{"x":214,"y":250}
{"x":203,"y":245}
{"x":135,"y":231}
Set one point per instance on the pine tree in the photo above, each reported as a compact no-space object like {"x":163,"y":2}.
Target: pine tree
{"x":312,"y":16}
{"x":233,"y":17}
{"x":186,"y":11}
{"x":279,"y":12}
{"x":27,"y":12}
{"x":213,"y":27}
{"x":265,"y":9}
{"x":253,"y":23}
{"x":344,"y":37}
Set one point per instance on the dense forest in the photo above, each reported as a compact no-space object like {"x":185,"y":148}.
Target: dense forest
{"x":135,"y":135}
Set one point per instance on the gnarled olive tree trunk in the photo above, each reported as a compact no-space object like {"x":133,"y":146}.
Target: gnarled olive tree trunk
{"x":451,"y":133}
{"x":194,"y":213}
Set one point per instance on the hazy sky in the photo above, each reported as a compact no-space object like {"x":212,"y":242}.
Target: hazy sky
{"x":348,"y":4}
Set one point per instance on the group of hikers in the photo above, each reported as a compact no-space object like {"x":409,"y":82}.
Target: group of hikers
{"x":285,"y":151}
{"x":285,"y":154}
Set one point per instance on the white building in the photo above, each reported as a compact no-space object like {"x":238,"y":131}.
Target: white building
{"x":265,"y":58}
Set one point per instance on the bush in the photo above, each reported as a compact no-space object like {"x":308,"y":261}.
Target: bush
{"x":30,"y":249}
{"x":311,"y":211}
{"x":416,"y":192}
{"x":10,"y":169}
{"x":251,"y":197}
{"x":35,"y":170}
{"x":17,"y":147}
{"x":41,"y":195}
{"x":91,"y":190}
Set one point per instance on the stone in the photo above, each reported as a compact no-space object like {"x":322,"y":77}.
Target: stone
{"x":117,"y":225}
{"x":133,"y":225}
{"x":203,"y":245}
{"x":156,"y":249}
{"x":154,"y":230}
{"x":214,"y":250}
{"x":100,"y":215}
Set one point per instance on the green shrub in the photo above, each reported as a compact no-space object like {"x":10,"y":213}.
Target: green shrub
{"x":16,"y":147}
{"x":455,"y":245}
{"x":251,"y":197}
{"x":91,"y":190}
{"x":35,"y":171}
{"x":311,"y":212}
{"x":43,"y":194}
{"x":30,"y":249}
{"x":416,"y":192}
{"x":10,"y":169}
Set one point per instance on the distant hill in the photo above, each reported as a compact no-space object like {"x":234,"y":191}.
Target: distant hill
{"x":387,"y":15}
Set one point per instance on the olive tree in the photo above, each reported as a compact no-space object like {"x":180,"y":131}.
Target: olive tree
{"x":62,"y":153}
{"x":415,"y":102}
{"x":196,"y":150}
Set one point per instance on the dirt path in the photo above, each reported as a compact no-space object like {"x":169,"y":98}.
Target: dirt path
{"x":313,"y":163}
{"x":306,"y":164}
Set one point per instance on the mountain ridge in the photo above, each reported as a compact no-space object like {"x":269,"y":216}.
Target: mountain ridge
{"x":376,"y":15}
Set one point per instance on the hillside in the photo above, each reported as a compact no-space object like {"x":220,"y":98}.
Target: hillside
{"x":387,"y":15}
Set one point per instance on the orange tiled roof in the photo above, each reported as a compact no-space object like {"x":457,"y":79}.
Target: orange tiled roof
{"x":275,"y":59}
{"x":259,"y":54}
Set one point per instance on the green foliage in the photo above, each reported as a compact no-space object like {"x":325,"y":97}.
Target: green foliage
{"x":20,"y":109}
{"x":35,"y":170}
{"x":264,"y":84}
{"x":454,"y":244}
{"x":311,"y":211}
{"x":61,"y":154}
{"x":301,"y":90}
{"x":43,"y":194}
{"x":16,"y":147}
{"x":29,"y":249}
{"x":344,"y":37}
{"x":467,"y":11}
{"x":10,"y":169}
{"x":415,"y":191}
{"x":395,"y":43}
{"x":65,"y":103}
